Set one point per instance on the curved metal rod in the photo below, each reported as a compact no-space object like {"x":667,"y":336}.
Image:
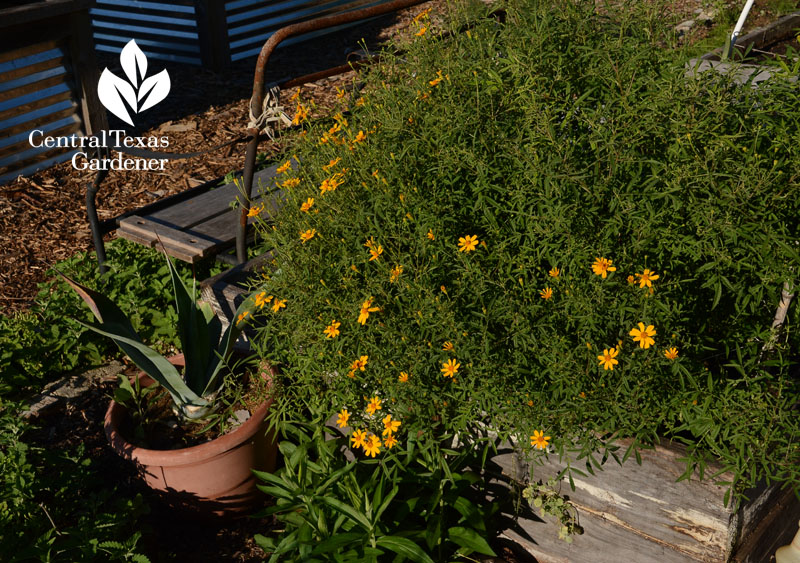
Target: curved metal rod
{"x":257,"y":98}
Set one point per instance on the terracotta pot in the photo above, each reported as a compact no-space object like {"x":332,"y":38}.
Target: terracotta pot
{"x":210,"y":478}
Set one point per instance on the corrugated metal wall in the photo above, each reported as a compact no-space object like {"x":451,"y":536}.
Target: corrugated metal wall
{"x":35,"y":93}
{"x":174,"y":29}
{"x":251,"y":22}
{"x":164,"y":30}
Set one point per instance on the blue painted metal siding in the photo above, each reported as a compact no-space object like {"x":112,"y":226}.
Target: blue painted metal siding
{"x":163,"y":30}
{"x":35,"y":95}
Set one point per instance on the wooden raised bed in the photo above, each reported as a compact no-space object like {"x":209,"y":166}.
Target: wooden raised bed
{"x":641,"y":513}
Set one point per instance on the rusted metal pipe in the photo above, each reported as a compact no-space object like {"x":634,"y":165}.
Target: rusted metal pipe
{"x":257,"y":99}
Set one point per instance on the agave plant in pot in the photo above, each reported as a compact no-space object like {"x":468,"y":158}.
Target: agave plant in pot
{"x":212,"y":477}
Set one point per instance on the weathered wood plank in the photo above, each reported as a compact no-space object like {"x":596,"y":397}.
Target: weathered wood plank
{"x":179,"y":244}
{"x":225,"y":291}
{"x":774,"y":529}
{"x":210,"y":204}
{"x":642,"y":512}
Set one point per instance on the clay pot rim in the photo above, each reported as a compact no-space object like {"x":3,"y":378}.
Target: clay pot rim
{"x":181,"y":456}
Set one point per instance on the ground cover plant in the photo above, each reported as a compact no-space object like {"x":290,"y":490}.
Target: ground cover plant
{"x":41,"y":344}
{"x":53,"y":507}
{"x":546,"y":227}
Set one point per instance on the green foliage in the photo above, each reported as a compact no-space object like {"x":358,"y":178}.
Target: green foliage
{"x":53,"y":507}
{"x":555,"y":139}
{"x":547,"y":499}
{"x":420,"y":500}
{"x":206,"y":347}
{"x":47,"y":340}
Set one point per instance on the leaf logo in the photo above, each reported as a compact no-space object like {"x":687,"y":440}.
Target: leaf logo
{"x":138,"y":93}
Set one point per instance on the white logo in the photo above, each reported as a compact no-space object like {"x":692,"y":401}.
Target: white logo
{"x":112,"y":90}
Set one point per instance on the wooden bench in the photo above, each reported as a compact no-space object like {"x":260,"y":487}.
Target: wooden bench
{"x":200,"y":227}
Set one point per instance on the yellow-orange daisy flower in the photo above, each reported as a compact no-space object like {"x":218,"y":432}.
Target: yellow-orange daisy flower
{"x":467,"y":243}
{"x":539,"y":440}
{"x":284,"y":167}
{"x":255,"y":210}
{"x":374,"y":405}
{"x":395,"y":273}
{"x":602,"y":266}
{"x":450,"y":368}
{"x":646,"y":278}
{"x":448,"y":346}
{"x":357,"y":439}
{"x":607,"y":359}
{"x":306,"y":236}
{"x":389,"y":425}
{"x":671,"y":353}
{"x":331,"y":164}
{"x":344,"y":416}
{"x":332,"y":330}
{"x":389,"y":441}
{"x":403,"y":377}
{"x":644,"y":335}
{"x":278,"y":305}
{"x":372,"y":445}
{"x":546,"y":293}
{"x":300,"y":115}
{"x":307,"y":204}
{"x":366,"y":309}
{"x":554,"y":273}
{"x":360,"y":363}
{"x":262,"y":299}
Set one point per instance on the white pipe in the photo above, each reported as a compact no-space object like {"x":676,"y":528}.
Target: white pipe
{"x":739,"y":24}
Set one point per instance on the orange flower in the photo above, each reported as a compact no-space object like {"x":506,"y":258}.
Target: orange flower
{"x":332,"y":330}
{"x":607,"y":359}
{"x":366,"y":309}
{"x":344,"y":416}
{"x":357,"y":439}
{"x":539,"y":440}
{"x":644,"y":335}
{"x":372,"y":445}
{"x":390,"y":426}
{"x":306,"y":236}
{"x":450,"y":368}
{"x":359,"y":364}
{"x":389,"y":441}
{"x":671,"y":353}
{"x":602,"y":266}
{"x":403,"y":377}
{"x":307,"y":204}
{"x":554,"y":273}
{"x":546,"y":293}
{"x":374,"y":405}
{"x":646,"y":278}
{"x":467,"y":243}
